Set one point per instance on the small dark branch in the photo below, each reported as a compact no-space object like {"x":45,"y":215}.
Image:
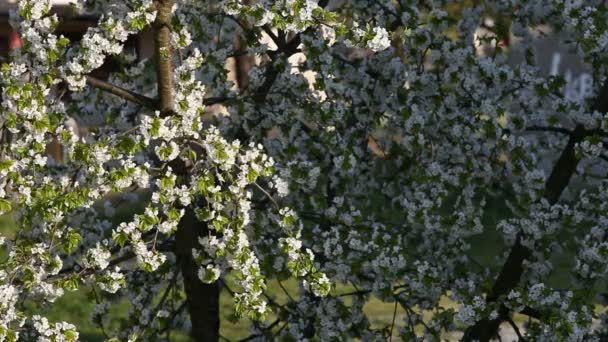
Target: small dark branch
{"x":355,"y":293}
{"x":516,"y":328}
{"x":508,"y":277}
{"x":162,"y":301}
{"x":530,"y":312}
{"x":244,"y":27}
{"x":390,"y":338}
{"x":214,"y":100}
{"x":238,"y":53}
{"x":269,"y":77}
{"x":548,"y":129}
{"x":166,"y":246}
{"x":165,"y":294}
{"x":172,"y":318}
{"x":272,"y":54}
{"x":281,"y":39}
{"x":272,"y":72}
{"x":87,"y":271}
{"x":269,"y":32}
{"x":121,"y":92}
{"x":564,"y":167}
{"x":286,"y":292}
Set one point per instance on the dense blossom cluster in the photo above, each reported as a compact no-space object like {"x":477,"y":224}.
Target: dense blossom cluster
{"x":370,"y":152}
{"x":115,"y":26}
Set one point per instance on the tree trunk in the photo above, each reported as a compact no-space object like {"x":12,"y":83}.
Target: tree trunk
{"x":202,"y":299}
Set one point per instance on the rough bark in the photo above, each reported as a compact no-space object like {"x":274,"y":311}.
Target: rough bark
{"x":164,"y":55}
{"x":512,"y":270}
{"x":202,"y":299}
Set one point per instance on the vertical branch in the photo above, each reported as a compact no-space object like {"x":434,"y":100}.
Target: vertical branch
{"x":164,"y":55}
{"x":202,"y":299}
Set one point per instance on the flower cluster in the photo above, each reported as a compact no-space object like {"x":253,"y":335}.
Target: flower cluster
{"x":108,"y":38}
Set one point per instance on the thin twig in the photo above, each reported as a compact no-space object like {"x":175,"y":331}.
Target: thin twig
{"x":285,"y":290}
{"x":161,"y":302}
{"x":173,"y":315}
{"x":390,"y":338}
{"x":214,"y":100}
{"x":516,"y":328}
{"x":267,"y":195}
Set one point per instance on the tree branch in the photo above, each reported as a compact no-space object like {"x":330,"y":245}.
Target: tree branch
{"x":121,"y":92}
{"x":164,"y":55}
{"x":171,"y":318}
{"x":286,"y":47}
{"x":516,"y":329}
{"x":166,"y":246}
{"x":272,"y":72}
{"x":530,"y":312}
{"x":512,"y":270}
{"x":214,"y":100}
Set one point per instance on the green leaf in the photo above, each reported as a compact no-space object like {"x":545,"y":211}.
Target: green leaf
{"x":252,"y":175}
{"x":71,"y":241}
{"x":70,"y":335}
{"x":121,"y":238}
{"x":5,"y":164}
{"x":5,"y":206}
{"x":173,"y":214}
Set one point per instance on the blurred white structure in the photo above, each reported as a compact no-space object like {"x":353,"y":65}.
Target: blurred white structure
{"x":6,"y":4}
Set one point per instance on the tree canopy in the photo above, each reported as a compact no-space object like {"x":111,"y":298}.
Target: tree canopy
{"x":373,"y":151}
